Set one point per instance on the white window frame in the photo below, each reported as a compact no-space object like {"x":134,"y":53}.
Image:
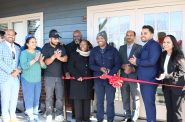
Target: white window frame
{"x":24,"y":19}
{"x":137,"y":6}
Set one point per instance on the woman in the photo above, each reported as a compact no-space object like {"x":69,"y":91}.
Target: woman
{"x":31,"y":61}
{"x":81,"y":91}
{"x":172,"y":68}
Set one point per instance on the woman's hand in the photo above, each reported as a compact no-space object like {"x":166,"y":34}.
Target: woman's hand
{"x":161,"y":77}
{"x":37,"y":56}
{"x":80,"y":79}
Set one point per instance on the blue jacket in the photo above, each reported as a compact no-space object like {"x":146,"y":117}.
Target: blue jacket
{"x":6,"y":61}
{"x":110,"y":59}
{"x":148,"y":61}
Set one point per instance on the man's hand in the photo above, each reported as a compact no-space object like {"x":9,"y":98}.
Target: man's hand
{"x":41,"y":58}
{"x":58,"y":56}
{"x":67,"y":75}
{"x":133,"y":60}
{"x":127,"y":69}
{"x":55,"y":55}
{"x":15,"y":72}
{"x":104,"y":70}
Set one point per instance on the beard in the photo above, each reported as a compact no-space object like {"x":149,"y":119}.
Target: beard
{"x":54,"y":44}
{"x":77,"y":41}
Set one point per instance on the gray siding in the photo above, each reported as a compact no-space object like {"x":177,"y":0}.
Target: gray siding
{"x":63,"y":15}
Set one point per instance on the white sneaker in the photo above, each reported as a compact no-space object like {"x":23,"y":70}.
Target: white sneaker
{"x":49,"y":118}
{"x":59,"y":118}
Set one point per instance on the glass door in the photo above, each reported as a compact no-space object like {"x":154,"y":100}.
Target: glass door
{"x":20,"y":30}
{"x":165,"y":21}
{"x":116,"y":24}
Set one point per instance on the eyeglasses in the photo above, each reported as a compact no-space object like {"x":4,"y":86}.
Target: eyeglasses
{"x":13,"y":55}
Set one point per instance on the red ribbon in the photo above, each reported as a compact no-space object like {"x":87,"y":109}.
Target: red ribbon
{"x":117,"y":81}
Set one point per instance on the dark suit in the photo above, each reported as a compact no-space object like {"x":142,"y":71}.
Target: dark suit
{"x":174,"y":97}
{"x":148,"y":68}
{"x":130,"y":88}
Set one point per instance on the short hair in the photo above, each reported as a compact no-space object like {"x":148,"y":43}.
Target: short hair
{"x":161,"y":34}
{"x":2,"y":33}
{"x":132,"y":32}
{"x":77,"y":31}
{"x":150,"y":28}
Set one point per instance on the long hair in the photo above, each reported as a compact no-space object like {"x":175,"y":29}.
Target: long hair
{"x":177,"y":53}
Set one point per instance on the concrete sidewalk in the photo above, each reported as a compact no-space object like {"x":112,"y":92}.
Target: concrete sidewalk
{"x":21,"y":117}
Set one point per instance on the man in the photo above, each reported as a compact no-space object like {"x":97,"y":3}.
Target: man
{"x":127,"y":70}
{"x":70,"y":49}
{"x":54,"y":56}
{"x":1,"y":36}
{"x":104,"y":59}
{"x":9,"y":71}
{"x":147,"y":63}
{"x":161,"y":36}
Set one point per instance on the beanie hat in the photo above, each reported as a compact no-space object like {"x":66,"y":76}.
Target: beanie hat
{"x":103,"y":34}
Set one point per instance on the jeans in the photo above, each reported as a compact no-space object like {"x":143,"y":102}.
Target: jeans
{"x":102,"y":88}
{"x":9,"y":96}
{"x":51,"y":84}
{"x":31,"y":94}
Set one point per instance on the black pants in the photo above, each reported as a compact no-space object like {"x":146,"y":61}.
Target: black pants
{"x":174,"y":105}
{"x":82,"y":110}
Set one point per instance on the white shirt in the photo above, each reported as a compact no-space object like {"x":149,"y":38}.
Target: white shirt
{"x":166,"y":64}
{"x":11,"y":46}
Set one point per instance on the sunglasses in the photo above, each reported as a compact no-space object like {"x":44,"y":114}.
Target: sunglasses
{"x":13,"y":55}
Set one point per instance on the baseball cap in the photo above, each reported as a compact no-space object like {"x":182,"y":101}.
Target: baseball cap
{"x":54,"y":33}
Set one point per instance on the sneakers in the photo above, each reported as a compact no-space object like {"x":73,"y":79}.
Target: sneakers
{"x":59,"y":118}
{"x":49,"y":118}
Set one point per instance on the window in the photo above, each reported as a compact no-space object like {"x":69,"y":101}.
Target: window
{"x":24,"y":25}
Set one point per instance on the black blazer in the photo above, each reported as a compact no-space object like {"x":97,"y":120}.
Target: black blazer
{"x":79,"y":67}
{"x":136,"y":48}
{"x":176,"y":73}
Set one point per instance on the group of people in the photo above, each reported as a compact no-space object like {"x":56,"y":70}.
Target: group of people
{"x":79,"y":59}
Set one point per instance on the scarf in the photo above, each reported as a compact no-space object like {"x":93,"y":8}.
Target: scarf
{"x":82,"y":53}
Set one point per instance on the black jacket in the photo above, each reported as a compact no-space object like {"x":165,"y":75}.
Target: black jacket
{"x":71,"y":48}
{"x":79,"y":67}
{"x":176,"y":73}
